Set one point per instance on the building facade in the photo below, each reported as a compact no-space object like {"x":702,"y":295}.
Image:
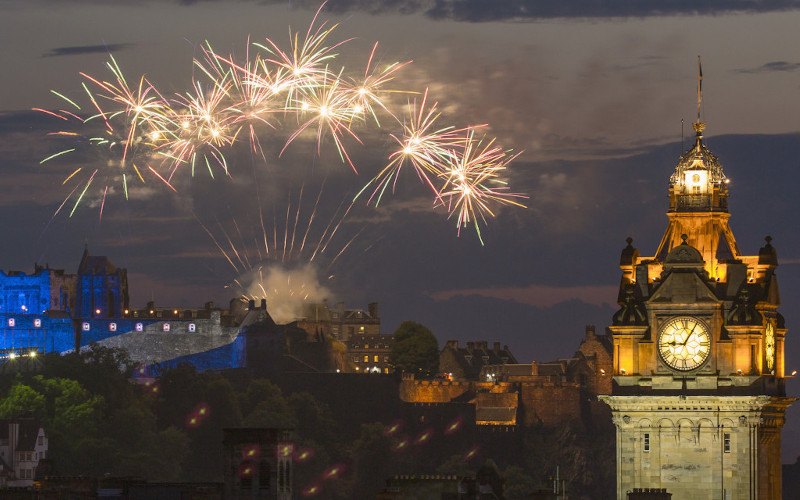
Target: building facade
{"x":258,"y":463}
{"x":506,"y":393}
{"x":22,"y":444}
{"x":698,"y":395}
{"x":370,"y":353}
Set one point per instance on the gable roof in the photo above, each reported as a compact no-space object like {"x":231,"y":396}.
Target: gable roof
{"x":28,"y":432}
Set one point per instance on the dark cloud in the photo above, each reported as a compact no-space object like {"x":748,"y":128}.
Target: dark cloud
{"x":771,"y":67}
{"x":87,"y":49}
{"x":482,"y":11}
{"x":512,"y":10}
{"x":523,"y":10}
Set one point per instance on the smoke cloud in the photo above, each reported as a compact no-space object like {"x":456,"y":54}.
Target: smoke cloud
{"x":285,"y":288}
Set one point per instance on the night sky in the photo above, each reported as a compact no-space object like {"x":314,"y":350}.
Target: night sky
{"x":592,"y":93}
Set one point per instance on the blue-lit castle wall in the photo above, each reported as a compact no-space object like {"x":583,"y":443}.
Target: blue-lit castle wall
{"x":53,"y":311}
{"x":21,"y":293}
{"x":24,"y":332}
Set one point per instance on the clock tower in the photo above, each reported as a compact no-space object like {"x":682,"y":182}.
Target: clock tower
{"x":699,"y":396}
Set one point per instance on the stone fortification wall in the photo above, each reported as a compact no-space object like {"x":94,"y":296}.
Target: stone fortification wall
{"x":540,"y":401}
{"x":154,"y":345}
{"x":549,"y":404}
{"x":433,"y":391}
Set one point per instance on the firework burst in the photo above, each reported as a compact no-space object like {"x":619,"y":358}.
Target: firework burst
{"x":145,"y":134}
{"x":287,"y":260}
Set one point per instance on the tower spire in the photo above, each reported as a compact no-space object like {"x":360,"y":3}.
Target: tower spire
{"x":699,"y":126}
{"x":699,"y":87}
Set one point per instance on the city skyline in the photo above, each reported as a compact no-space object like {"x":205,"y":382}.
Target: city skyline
{"x":594,"y":102}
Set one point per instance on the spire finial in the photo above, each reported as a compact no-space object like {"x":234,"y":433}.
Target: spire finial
{"x":699,"y":88}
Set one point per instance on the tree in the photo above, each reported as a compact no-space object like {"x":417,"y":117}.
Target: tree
{"x":22,"y":399}
{"x":415,"y":349}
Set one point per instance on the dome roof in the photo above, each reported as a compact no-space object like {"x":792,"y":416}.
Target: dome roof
{"x":684,"y":254}
{"x":698,"y":157}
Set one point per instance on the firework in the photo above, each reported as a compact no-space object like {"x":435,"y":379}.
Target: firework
{"x":132,"y":122}
{"x":427,"y":149}
{"x":288,"y":260}
{"x":143,"y":132}
{"x":330,"y":108}
{"x":473,"y":181}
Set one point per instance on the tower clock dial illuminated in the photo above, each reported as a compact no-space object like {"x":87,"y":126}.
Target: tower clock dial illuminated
{"x":769,"y":346}
{"x":684,"y":343}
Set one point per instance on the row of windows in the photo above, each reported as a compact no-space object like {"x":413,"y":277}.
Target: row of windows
{"x":112,"y":327}
{"x":12,"y":322}
{"x":726,"y":442}
{"x":375,"y":359}
{"x":374,"y":369}
{"x":139,"y":327}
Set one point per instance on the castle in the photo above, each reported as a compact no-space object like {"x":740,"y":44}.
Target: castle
{"x":52,"y":310}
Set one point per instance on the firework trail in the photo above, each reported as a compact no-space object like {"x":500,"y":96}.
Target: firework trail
{"x":231,"y":101}
{"x":285,"y":260}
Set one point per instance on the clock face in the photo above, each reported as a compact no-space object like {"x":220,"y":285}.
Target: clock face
{"x":769,"y":346}
{"x":684,"y":343}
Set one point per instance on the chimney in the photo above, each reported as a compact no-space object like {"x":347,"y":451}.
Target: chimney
{"x":209,"y":305}
{"x":451,"y":344}
{"x":590,"y":335}
{"x":482,"y":344}
{"x":534,"y":368}
{"x":470,"y":346}
{"x":373,"y":309}
{"x":497,"y":347}
{"x":264,"y":304}
{"x":251,"y":305}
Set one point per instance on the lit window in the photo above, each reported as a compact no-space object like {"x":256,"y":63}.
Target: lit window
{"x":361,"y":328}
{"x":86,"y":327}
{"x":366,"y":346}
{"x":726,"y":442}
{"x":139,"y":327}
{"x":11,"y":322}
{"x":386,"y":359}
{"x":647,"y":442}
{"x":366,"y":359}
{"x":112,"y":327}
{"x":355,"y":359}
{"x":385,"y":370}
{"x":37,"y":323}
{"x":165,"y":327}
{"x":375,"y":359}
{"x":192,"y":327}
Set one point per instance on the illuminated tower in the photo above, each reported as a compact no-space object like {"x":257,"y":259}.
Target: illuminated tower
{"x":699,"y":396}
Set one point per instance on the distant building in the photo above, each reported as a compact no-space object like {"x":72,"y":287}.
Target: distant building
{"x":102,"y":288}
{"x":338,"y":322}
{"x":371,"y":353}
{"x":466,"y":363}
{"x":54,"y":311}
{"x":22,"y":444}
{"x":258,"y":463}
{"x":506,"y":393}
